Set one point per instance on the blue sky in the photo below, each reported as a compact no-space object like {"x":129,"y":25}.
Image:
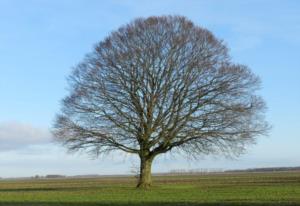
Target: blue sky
{"x":41,"y":40}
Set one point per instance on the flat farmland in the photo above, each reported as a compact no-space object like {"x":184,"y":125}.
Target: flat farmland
{"x":268,"y":188}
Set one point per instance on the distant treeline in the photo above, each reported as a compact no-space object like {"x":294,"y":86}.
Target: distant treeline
{"x":49,"y":176}
{"x":193,"y":171}
{"x":267,"y":169}
{"x":217,"y":170}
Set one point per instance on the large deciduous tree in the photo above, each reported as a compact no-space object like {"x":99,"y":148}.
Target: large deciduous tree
{"x":159,"y":84}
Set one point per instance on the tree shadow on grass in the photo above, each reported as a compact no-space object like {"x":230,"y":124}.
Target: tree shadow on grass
{"x":142,"y":204}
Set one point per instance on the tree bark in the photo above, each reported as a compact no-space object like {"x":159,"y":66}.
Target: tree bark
{"x":145,"y":179}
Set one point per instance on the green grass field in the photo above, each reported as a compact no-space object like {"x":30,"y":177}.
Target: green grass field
{"x":225,"y":189}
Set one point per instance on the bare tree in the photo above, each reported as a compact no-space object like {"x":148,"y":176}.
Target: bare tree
{"x":160,"y":84}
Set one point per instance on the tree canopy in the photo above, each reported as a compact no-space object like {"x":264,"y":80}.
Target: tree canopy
{"x":159,"y":84}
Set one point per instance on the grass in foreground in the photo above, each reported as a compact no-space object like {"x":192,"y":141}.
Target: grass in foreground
{"x":256,"y":189}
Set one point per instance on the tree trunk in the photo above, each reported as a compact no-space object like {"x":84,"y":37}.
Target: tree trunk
{"x":145,"y":173}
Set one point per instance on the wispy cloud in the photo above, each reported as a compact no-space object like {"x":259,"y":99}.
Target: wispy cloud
{"x":17,"y":136}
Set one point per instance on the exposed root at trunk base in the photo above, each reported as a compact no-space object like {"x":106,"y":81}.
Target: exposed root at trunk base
{"x":143,"y":185}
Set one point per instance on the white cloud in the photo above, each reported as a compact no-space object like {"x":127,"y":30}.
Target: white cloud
{"x":17,"y":136}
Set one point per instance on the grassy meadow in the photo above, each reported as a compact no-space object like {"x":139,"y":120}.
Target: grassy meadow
{"x":278,"y":188}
